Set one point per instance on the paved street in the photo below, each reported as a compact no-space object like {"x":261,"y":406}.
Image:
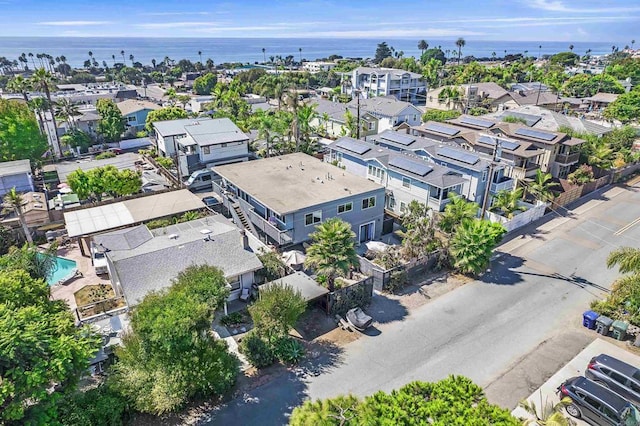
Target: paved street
{"x":509,"y":331}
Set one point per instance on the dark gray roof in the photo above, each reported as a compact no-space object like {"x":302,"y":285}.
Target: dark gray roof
{"x":153,"y":264}
{"x":124,"y":239}
{"x":307,"y":286}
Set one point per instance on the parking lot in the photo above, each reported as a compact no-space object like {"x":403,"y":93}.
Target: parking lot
{"x":547,"y":392}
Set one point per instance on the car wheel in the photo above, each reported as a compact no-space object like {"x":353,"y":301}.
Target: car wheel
{"x":573,"y":411}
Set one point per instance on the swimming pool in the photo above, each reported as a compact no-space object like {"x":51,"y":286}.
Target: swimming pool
{"x":63,"y":269}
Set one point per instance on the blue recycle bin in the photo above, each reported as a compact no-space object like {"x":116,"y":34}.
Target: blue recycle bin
{"x":589,"y":319}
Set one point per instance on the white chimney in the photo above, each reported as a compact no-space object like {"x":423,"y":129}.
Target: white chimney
{"x":245,"y":239}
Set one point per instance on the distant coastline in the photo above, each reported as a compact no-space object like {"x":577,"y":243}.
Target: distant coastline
{"x":249,"y":50}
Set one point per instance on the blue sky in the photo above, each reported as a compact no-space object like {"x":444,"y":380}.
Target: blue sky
{"x":543,"y":20}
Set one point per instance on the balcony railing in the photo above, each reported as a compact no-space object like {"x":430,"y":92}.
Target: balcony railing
{"x":567,"y":158}
{"x":504,"y":185}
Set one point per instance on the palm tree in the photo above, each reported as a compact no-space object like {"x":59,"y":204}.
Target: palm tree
{"x":32,"y":60}
{"x":13,"y":201}
{"x":153,"y":62}
{"x":460,"y":43}
{"x":122,"y":54}
{"x":42,"y":80}
{"x":571,"y":47}
{"x":66,"y":109}
{"x":300,"y":52}
{"x":131,"y":59}
{"x":551,"y":414}
{"x":627,"y":259}
{"x":19,"y":84}
{"x":632,"y":43}
{"x":332,"y":252}
{"x":601,"y":157}
{"x":38,"y":106}
{"x":423,"y":45}
{"x":541,"y":186}
{"x":472,"y":245}
{"x":200,"y":55}
{"x":508,"y":202}
{"x":114,"y":59}
{"x":457,"y":211}
{"x":264,"y":55}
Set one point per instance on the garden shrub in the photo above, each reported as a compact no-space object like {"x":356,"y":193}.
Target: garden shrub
{"x":231,"y":319}
{"x":288,"y":350}
{"x":96,"y":407}
{"x":106,"y":154}
{"x":257,"y":350}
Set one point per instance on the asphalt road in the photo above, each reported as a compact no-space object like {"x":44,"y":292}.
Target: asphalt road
{"x":525,"y":310}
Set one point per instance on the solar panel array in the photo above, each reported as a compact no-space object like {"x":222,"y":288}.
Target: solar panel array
{"x":398,"y":138}
{"x":412,"y":166}
{"x":523,"y":131}
{"x":462,"y":156}
{"x":504,"y":143}
{"x":476,"y":122}
{"x":353,"y":146}
{"x":439,"y":128}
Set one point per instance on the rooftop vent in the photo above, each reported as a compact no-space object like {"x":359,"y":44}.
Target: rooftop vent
{"x":173,"y":236}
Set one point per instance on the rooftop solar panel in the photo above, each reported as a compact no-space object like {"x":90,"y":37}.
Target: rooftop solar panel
{"x":398,"y":138}
{"x":412,"y":166}
{"x":458,"y":155}
{"x":439,"y":128}
{"x":504,"y":143}
{"x":523,"y":131}
{"x":476,"y":122}
{"x":353,"y":146}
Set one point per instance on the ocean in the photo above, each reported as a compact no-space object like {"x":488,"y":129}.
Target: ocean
{"x":249,"y":50}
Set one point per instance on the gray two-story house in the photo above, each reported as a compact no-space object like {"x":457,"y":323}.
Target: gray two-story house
{"x":282,"y":199}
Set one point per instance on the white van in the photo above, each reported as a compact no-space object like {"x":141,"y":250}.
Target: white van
{"x":200,"y":179}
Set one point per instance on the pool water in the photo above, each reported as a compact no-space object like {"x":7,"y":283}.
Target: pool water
{"x":62,"y":269}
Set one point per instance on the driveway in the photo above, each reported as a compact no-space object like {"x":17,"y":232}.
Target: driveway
{"x":525,"y":309}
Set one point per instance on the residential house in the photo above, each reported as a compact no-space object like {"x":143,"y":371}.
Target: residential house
{"x":34,"y":210}
{"x":140,"y":260}
{"x":201,"y":142}
{"x":89,"y":93}
{"x":331,"y":117}
{"x":600,"y":101}
{"x":488,"y":95}
{"x":282,"y":199}
{"x":15,"y":174}
{"x":401,"y":84}
{"x":198,"y":103}
{"x":389,"y":111}
{"x":87,"y":121}
{"x":314,"y":67}
{"x":134,"y":112}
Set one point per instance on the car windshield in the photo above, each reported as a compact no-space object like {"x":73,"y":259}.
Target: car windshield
{"x":98,"y":255}
{"x":631,"y":416}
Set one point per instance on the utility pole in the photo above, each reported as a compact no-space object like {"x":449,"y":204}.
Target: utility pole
{"x":490,"y":179}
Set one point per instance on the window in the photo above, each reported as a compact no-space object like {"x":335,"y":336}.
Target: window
{"x":484,"y":175}
{"x":592,"y":402}
{"x":375,"y":172}
{"x":369,"y":202}
{"x":205,"y":178}
{"x":234,"y":282}
{"x":343,"y":208}
{"x":617,"y":377}
{"x":403,"y":207}
{"x":206,"y":150}
{"x":223,"y":145}
{"x":313,"y":218}
{"x":406,"y":182}
{"x":131,"y":119}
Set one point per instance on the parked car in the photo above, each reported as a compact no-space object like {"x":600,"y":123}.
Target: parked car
{"x":210,"y":201}
{"x":597,"y":404}
{"x":116,"y":151}
{"x":99,"y":260}
{"x":200,"y":179}
{"x":616,"y":375}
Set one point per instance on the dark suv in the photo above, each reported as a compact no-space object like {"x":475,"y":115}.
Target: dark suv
{"x":616,"y":375}
{"x":596,"y":404}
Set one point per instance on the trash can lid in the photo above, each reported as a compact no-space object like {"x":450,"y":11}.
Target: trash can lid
{"x":591,"y":315}
{"x":604,"y":320}
{"x":620,"y":325}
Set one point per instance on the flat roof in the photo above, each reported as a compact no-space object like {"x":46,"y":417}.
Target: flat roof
{"x":110,"y":216}
{"x":307,"y":286}
{"x":292,"y":182}
{"x":9,"y":168}
{"x":123,"y":161}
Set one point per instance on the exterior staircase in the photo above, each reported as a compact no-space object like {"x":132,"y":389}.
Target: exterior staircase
{"x":243,"y":219}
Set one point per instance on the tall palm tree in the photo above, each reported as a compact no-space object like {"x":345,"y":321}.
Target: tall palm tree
{"x":122,"y":54}
{"x":19,"y":84}
{"x":456,"y":211}
{"x":67,"y":110}
{"x":472,"y":245}
{"x":42,"y":80}
{"x":39,"y":106}
{"x":264,"y":55}
{"x":332,"y":253}
{"x":460,"y":43}
{"x":32,"y":60}
{"x":541,"y":186}
{"x":131,"y":58}
{"x":114,"y":59}
{"x":626,"y":258}
{"x":200,"y":55}
{"x":508,"y":202}
{"x":423,"y":45}
{"x":153,"y":62}
{"x":571,"y":47}
{"x":300,"y":52}
{"x":13,"y":201}
{"x":550,"y":415}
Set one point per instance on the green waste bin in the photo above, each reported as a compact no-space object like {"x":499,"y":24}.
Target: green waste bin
{"x":619,"y":329}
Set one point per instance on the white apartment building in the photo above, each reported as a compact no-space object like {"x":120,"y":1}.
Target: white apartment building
{"x":403,"y":85}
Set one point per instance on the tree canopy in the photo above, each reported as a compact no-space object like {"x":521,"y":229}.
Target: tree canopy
{"x":104,"y":180}
{"x":164,"y":114}
{"x":111,"y":125}
{"x":204,"y":84}
{"x":20,"y":136}
{"x":626,"y":108}
{"x":472,"y":245}
{"x":382,"y":51}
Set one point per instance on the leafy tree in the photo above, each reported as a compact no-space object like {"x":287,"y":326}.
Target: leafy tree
{"x":100,"y":406}
{"x":49,"y":350}
{"x":6,"y":240}
{"x":204,"y":84}
{"x":27,"y":258}
{"x":332,"y":252}
{"x":111,"y":125}
{"x":508,"y":202}
{"x":382,"y":51}
{"x":418,"y":239}
{"x":76,"y":138}
{"x":455,"y":212}
{"x":436,"y":54}
{"x":170,"y":356}
{"x":455,"y":400}
{"x":277,"y":310}
{"x":582,"y":175}
{"x":566,"y":59}
{"x":20,"y":136}
{"x":273,"y":266}
{"x":541,"y":186}
{"x":13,"y":201}
{"x":164,"y":114}
{"x":440,"y":115}
{"x":583,"y":85}
{"x":473,"y":243}
{"x":626,"y":108}
{"x":101,"y":180}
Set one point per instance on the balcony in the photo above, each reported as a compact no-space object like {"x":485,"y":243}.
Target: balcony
{"x":505,"y":184}
{"x":281,"y":237}
{"x":567,"y":159}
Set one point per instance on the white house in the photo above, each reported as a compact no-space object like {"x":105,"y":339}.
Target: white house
{"x":389,"y":111}
{"x":314,"y":67}
{"x":401,"y":84}
{"x":15,"y":174}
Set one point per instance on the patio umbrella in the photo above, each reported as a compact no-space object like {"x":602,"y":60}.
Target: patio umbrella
{"x":65,"y":190}
{"x":294,"y":258}
{"x":63,"y":185}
